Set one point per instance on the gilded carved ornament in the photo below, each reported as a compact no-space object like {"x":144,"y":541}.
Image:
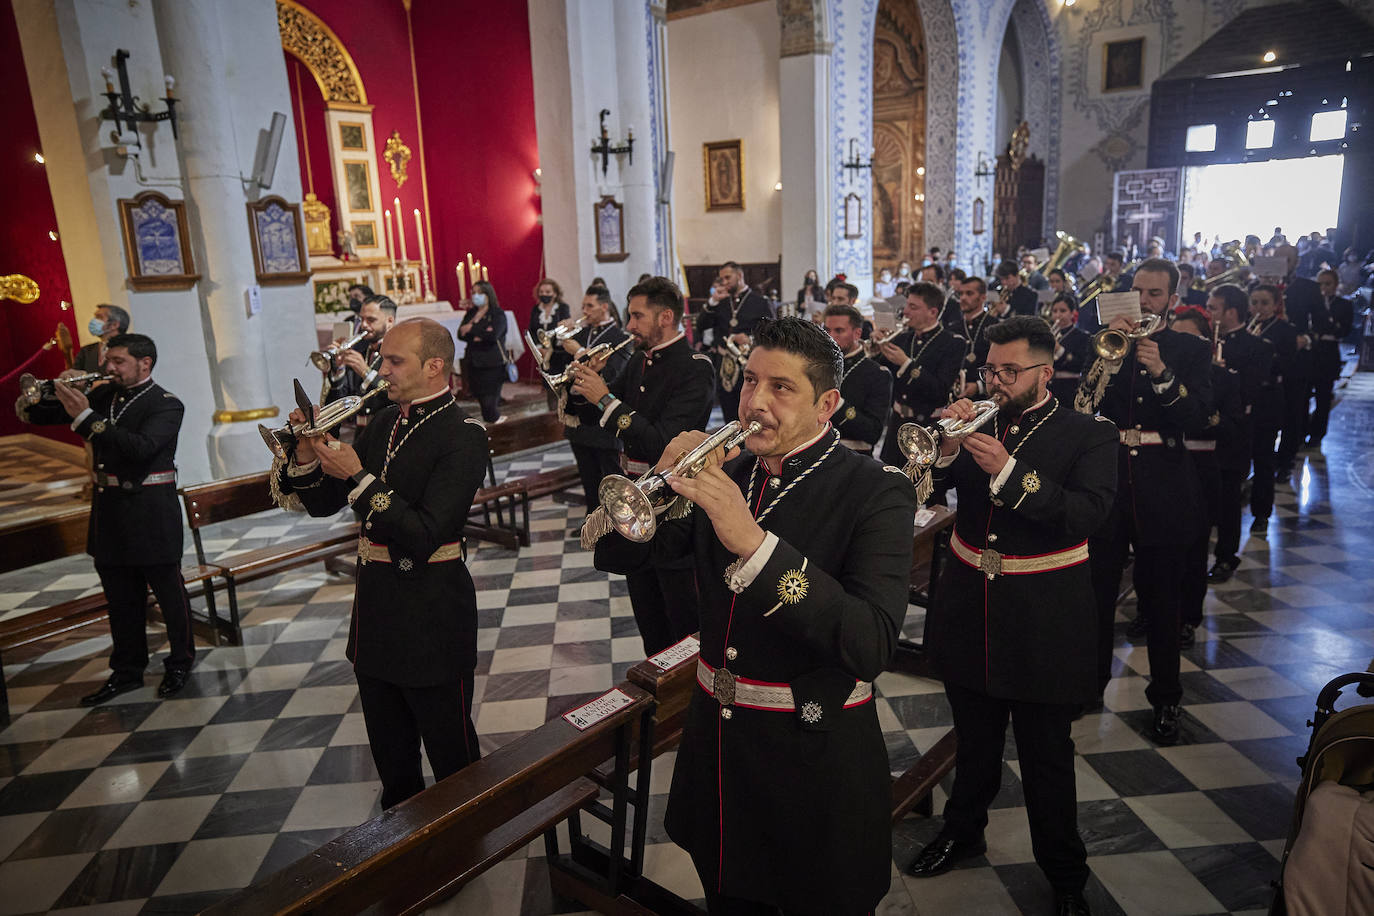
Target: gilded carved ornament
{"x":397,"y":154}
{"x":305,"y":36}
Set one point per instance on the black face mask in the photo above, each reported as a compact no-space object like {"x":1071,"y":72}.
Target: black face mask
{"x":546,"y":299}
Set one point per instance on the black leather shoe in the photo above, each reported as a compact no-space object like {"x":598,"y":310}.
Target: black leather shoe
{"x":172,"y":682}
{"x":1071,"y":904}
{"x":943,"y":853}
{"x":1223,"y":570}
{"x":1260,"y":527}
{"x":110,"y":690}
{"x":1164,"y":727}
{"x":1139,"y":627}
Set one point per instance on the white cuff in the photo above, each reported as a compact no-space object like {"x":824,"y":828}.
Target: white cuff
{"x":945,"y":461}
{"x":81,"y":418}
{"x":996,"y":484}
{"x":745,"y":575}
{"x":1161,"y":387}
{"x":300,"y":470}
{"x":610,"y":409}
{"x":358,"y":490}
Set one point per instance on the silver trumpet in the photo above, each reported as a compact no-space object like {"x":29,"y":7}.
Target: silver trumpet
{"x":741,"y":354}
{"x":560,"y":333}
{"x":921,"y":444}
{"x":566,"y":376}
{"x":282,"y":439}
{"x":632,"y":506}
{"x":36,"y":389}
{"x":323,"y":360}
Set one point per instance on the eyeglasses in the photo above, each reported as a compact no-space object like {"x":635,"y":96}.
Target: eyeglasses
{"x":1006,"y":375}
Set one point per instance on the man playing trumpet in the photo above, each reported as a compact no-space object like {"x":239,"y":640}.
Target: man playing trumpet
{"x":801,"y":550}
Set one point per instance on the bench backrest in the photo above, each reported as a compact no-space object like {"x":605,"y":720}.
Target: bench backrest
{"x":411,"y":850}
{"x":41,"y":540}
{"x":222,"y":500}
{"x":524,"y":432}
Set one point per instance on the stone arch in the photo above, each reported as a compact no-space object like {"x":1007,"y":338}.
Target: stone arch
{"x":803,"y":27}
{"x":305,"y":36}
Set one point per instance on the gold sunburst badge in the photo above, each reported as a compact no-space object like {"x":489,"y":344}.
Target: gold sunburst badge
{"x":379,"y":502}
{"x":792,"y":587}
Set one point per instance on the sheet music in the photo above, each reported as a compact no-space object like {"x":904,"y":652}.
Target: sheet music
{"x":1110,"y":305}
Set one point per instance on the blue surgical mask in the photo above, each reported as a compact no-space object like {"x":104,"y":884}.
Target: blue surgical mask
{"x":96,"y":327}
{"x":479,"y":299}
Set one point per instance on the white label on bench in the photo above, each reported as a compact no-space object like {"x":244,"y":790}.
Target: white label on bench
{"x":923,"y":517}
{"x":676,"y":654}
{"x":584,"y":717}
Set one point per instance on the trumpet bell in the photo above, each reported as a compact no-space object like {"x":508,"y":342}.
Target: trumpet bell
{"x":629,"y":509}
{"x":918,"y":444}
{"x":32,"y":388}
{"x":1111,"y":345}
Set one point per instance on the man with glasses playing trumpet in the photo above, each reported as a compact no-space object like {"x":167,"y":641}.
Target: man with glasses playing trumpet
{"x":802,"y":551}
{"x":1012,"y":632}
{"x":1157,"y":389}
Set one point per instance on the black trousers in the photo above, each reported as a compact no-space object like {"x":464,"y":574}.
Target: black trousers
{"x":1158,"y":579}
{"x":594,"y":464}
{"x":1229,"y":504}
{"x":1045,"y":750}
{"x":126,"y":590}
{"x":891,"y":453}
{"x":1294,"y":420}
{"x":399,"y":718}
{"x":1322,"y":392}
{"x":1262,"y":481}
{"x":486,"y":382}
{"x":665,"y":606}
{"x":720,"y":905}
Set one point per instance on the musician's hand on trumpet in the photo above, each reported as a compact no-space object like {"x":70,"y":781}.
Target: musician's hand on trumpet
{"x":337,"y":459}
{"x":891,"y":352}
{"x":961,"y":409}
{"x":571,"y":347}
{"x":987,"y":450}
{"x":352,"y":359}
{"x":717,"y":495}
{"x":587,"y":381}
{"x":305,"y":446}
{"x":73,"y":401}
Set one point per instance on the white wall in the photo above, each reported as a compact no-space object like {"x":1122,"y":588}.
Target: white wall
{"x":723,"y":84}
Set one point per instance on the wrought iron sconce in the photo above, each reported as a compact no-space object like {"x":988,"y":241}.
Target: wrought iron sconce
{"x":854,"y":163}
{"x":604,"y":149}
{"x":984,"y":169}
{"x":124,"y":105}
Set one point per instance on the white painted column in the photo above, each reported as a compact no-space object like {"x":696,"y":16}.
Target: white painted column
{"x":231,"y":76}
{"x":803,"y":122}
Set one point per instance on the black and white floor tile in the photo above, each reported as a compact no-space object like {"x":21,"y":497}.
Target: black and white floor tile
{"x":165,"y":807}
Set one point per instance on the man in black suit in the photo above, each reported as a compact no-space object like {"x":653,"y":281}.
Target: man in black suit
{"x":730,"y":316}
{"x":865,"y":386}
{"x":595,"y":449}
{"x":134,"y":534}
{"x":1328,"y":323}
{"x":357,"y":368}
{"x":802,"y":549}
{"x":1013,"y":628}
{"x":410,"y":480}
{"x":665,"y":389}
{"x":924,"y":360}
{"x":1155,"y":395}
{"x":109,"y":321}
{"x":1020,"y":298}
{"x":968,"y":323}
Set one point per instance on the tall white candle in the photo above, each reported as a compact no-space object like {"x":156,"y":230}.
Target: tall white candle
{"x":390,"y":241}
{"x":420,"y":235}
{"x":400,"y":229}
{"x":462,"y":285}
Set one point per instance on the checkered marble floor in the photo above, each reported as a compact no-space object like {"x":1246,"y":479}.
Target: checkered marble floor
{"x":165,"y":807}
{"x":38,"y":476}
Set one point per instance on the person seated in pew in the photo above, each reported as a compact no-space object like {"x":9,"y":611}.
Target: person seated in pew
{"x":802,"y":553}
{"x":134,"y":534}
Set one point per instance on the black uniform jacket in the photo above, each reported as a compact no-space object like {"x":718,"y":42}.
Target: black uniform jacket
{"x":661,"y":393}
{"x":485,"y":339}
{"x":1157,"y":482}
{"x":976,"y":345}
{"x":351,"y":384}
{"x":865,"y":399}
{"x":748,"y":307}
{"x":414,"y":622}
{"x":559,"y":358}
{"x":1228,"y":426}
{"x":1029,"y":636}
{"x":801,"y":808}
{"x":133,"y":433}
{"x":923,"y":385}
{"x":1257,"y":367}
{"x":1327,"y":323}
{"x":593,"y":434}
{"x":1024,"y":301}
{"x":1069,"y":365}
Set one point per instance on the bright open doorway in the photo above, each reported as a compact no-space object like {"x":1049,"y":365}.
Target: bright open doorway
{"x":1233,"y":200}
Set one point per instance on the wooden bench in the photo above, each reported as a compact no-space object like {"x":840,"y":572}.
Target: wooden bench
{"x":236,"y":497}
{"x":513,"y":496}
{"x":426,"y":848}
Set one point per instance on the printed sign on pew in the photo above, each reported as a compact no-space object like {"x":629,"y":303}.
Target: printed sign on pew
{"x":588,"y":714}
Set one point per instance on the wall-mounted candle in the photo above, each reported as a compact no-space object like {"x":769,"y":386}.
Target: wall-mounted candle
{"x":400,"y":229}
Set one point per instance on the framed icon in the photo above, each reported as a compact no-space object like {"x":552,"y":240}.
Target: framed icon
{"x":352,"y":137}
{"x":364,"y":233}
{"x":979,"y":216}
{"x":277,"y":235}
{"x":724,"y":164}
{"x":157,"y":245}
{"x":359,"y":186}
{"x":1123,"y":65}
{"x":853,"y":216}
{"x":610,"y":230}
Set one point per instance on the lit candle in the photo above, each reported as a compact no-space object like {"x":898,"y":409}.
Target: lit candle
{"x":472,"y":268}
{"x":462,"y":284}
{"x":390,"y":241}
{"x":484,"y":276}
{"x":400,"y":229}
{"x":420,"y":235}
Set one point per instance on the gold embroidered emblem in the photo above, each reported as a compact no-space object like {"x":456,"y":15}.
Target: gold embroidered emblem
{"x":990,"y":562}
{"x":380,"y":502}
{"x":850,"y":413}
{"x":811,"y":712}
{"x":1182,"y":390}
{"x":792,"y":587}
{"x":97,"y":427}
{"x":1031,"y":482}
{"x":623,"y":422}
{"x":723,"y":686}
{"x":406,"y":564}
{"x":1214,"y":419}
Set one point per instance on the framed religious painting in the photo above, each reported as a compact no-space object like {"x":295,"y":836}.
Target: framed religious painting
{"x":724,"y":164}
{"x":157,"y":245}
{"x":610,"y":230}
{"x":352,"y":137}
{"x":1123,"y":65}
{"x":358,"y":186}
{"x":277,"y":235}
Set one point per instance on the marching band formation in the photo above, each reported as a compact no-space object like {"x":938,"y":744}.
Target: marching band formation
{"x":1070,"y":424}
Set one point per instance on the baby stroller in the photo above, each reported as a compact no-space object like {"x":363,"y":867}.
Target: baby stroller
{"x":1328,"y":861}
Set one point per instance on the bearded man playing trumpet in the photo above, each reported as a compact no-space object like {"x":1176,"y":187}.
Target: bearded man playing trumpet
{"x":801,"y":550}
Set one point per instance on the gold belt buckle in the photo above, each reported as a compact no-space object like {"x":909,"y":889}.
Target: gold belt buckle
{"x":1132,"y":437}
{"x":723,"y":686}
{"x":990,"y":562}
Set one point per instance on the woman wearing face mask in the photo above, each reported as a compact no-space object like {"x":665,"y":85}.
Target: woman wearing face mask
{"x":548,"y":310}
{"x":483,"y":330}
{"x":886,"y":284}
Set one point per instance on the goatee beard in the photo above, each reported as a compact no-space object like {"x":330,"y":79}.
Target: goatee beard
{"x":1012,"y":410}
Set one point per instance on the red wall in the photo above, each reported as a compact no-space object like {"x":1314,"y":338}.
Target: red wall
{"x":311,"y":102}
{"x":476,"y":94}
{"x":24,"y":243}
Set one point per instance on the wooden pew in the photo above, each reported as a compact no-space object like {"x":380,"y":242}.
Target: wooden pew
{"x":424,"y":850}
